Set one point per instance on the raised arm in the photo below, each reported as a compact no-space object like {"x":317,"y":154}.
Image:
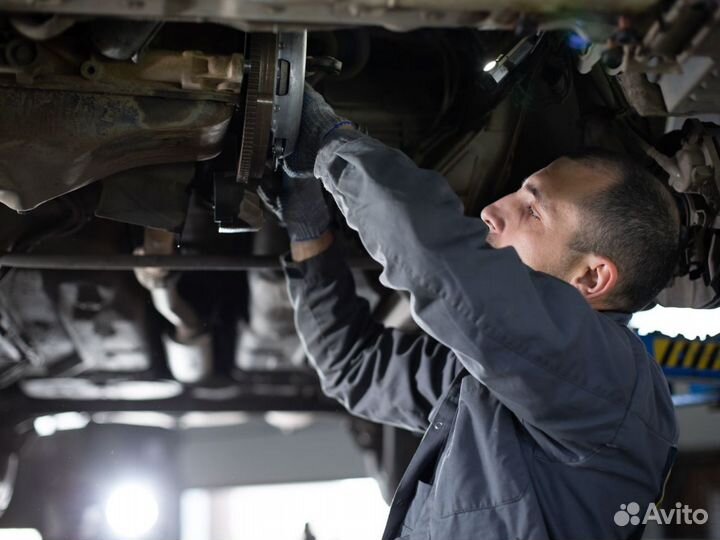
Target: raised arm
{"x":379,"y":373}
{"x":563,"y":368}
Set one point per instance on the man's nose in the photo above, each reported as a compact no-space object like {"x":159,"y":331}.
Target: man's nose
{"x":491,"y":216}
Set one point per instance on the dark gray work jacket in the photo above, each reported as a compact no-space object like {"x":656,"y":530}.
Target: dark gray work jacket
{"x":541,"y":416}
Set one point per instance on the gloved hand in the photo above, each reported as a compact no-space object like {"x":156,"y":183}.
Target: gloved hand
{"x":317,"y":121}
{"x":300,"y":206}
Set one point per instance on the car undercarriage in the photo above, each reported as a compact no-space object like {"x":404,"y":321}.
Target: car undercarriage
{"x":139,"y":270}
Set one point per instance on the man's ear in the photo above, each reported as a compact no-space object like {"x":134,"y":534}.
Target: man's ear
{"x":596,"y":278}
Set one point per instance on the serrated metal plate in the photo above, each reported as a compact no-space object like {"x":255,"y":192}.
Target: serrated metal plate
{"x":261,"y":54}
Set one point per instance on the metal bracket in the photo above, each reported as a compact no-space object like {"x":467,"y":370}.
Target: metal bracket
{"x":289,"y":89}
{"x":238,"y":208}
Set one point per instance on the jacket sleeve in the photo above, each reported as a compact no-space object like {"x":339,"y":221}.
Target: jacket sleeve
{"x":379,"y":373}
{"x":533,"y":340}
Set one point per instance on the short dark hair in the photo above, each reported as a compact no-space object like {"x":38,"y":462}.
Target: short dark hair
{"x":634,"y":223}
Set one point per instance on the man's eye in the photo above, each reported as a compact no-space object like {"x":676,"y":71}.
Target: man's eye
{"x":532,"y":212}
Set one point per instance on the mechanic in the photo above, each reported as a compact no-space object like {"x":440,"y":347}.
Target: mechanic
{"x":542,"y":412}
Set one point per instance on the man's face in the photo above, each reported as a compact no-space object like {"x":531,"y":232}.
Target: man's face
{"x":541,"y":218}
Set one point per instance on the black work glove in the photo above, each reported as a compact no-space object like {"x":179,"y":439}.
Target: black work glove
{"x":318,"y":120}
{"x":300,"y":206}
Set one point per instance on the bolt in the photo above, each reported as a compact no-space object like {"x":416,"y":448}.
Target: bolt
{"x":20,"y":53}
{"x":613,"y":58}
{"x":91,"y":70}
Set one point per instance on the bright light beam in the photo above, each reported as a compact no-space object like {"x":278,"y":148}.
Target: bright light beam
{"x":490,"y":66}
{"x":132,"y":510}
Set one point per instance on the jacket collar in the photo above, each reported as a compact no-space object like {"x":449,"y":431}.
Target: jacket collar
{"x":618,"y":316}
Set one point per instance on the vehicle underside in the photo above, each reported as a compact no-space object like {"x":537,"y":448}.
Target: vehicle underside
{"x":139,"y":268}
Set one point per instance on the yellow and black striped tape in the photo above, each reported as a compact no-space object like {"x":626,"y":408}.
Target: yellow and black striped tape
{"x":681,"y":353}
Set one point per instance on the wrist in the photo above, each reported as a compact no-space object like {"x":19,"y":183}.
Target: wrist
{"x":339,"y":125}
{"x":307,"y":249}
{"x":304,"y":211}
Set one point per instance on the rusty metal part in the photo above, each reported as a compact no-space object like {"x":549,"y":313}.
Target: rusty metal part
{"x":190,"y":69}
{"x":54,"y":142}
{"x":236,"y":206}
{"x":158,"y":72}
{"x":156,"y":196}
{"x":211,"y":263}
{"x":155,"y":242}
{"x":159,"y":242}
{"x":694,"y":172}
{"x":688,"y":293}
{"x":188,"y":349}
{"x":642,"y":95}
{"x":269,"y":15}
{"x":250,"y":212}
{"x":43,"y":30}
{"x":106,"y":319}
{"x":695,"y":168}
{"x":18,"y":54}
{"x":696,"y":88}
{"x":672,"y":35}
{"x":681,"y":52}
{"x":266,"y":339}
{"x":262,"y":57}
{"x":122,"y":39}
